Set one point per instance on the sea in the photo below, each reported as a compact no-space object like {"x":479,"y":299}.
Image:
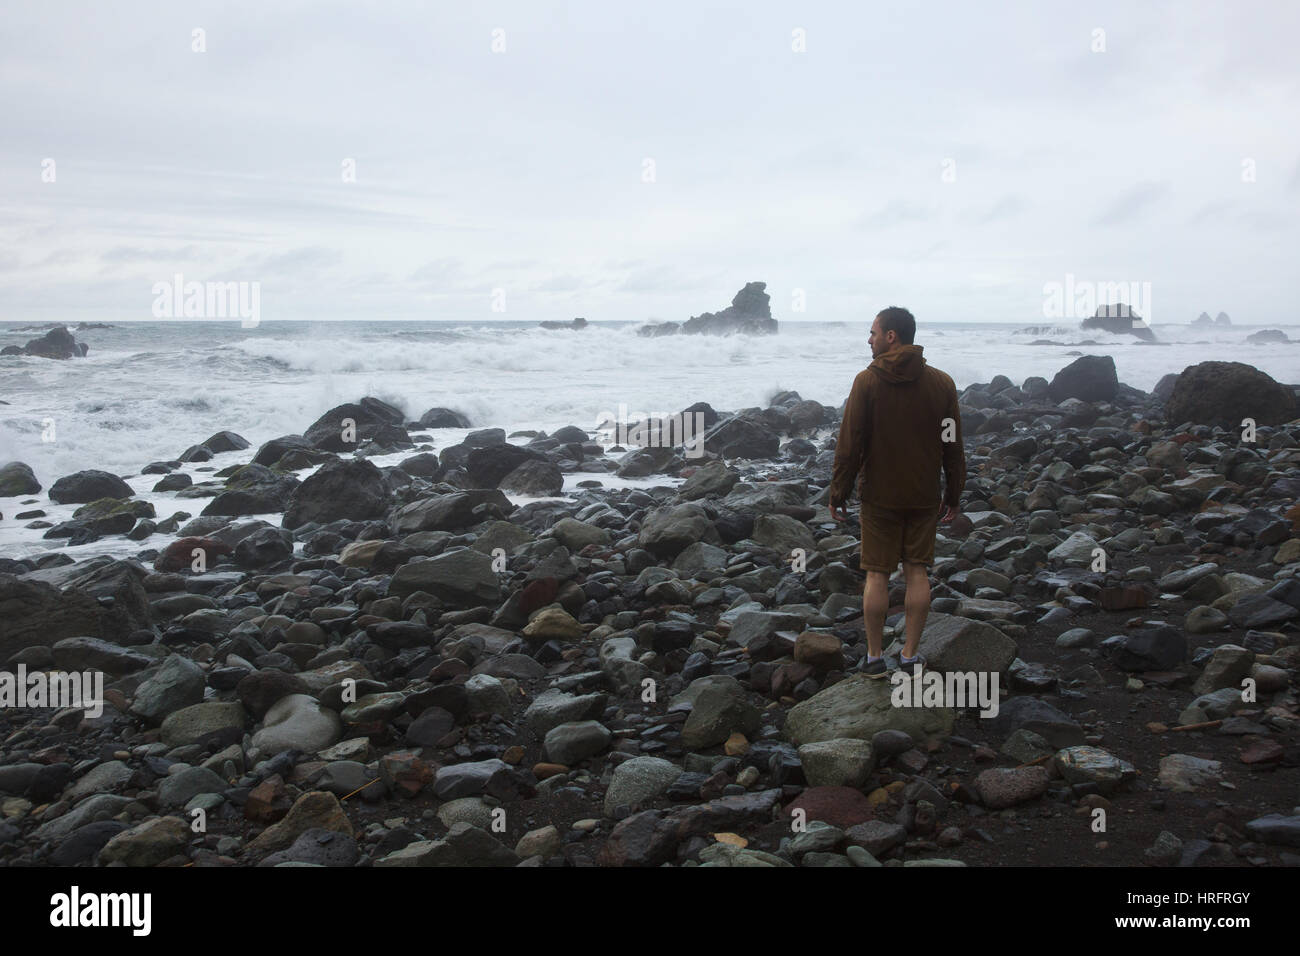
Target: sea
{"x":146,"y":391}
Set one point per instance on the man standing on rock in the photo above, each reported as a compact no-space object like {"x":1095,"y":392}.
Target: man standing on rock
{"x":901,"y":426}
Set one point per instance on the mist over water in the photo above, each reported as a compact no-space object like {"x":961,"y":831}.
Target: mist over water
{"x":147,"y":391}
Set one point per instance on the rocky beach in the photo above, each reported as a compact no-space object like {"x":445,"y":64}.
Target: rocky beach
{"x":332,"y":662}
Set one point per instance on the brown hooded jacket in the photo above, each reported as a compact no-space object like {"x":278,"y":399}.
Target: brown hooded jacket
{"x":898,"y":414}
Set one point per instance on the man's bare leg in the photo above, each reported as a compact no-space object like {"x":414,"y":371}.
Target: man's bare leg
{"x":916,"y":605}
{"x":875,"y":605}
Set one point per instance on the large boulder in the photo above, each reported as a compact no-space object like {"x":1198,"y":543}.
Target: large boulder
{"x":668,"y":530}
{"x":739,"y":437}
{"x":1091,"y":378}
{"x":1225,"y":393}
{"x":952,"y":643}
{"x":750,"y":313}
{"x":859,"y":707}
{"x":86,"y":486}
{"x":461,"y":578}
{"x":17,"y":478}
{"x":1119,"y":319}
{"x":56,"y":344}
{"x":489,"y":465}
{"x":451,"y":512}
{"x":373,"y":419}
{"x":116,"y":587}
{"x":353,"y":489}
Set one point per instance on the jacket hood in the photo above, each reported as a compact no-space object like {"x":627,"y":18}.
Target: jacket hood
{"x":903,"y":364}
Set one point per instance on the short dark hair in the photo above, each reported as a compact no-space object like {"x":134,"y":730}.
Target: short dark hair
{"x":899,"y":320}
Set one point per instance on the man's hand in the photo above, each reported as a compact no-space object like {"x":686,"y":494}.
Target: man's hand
{"x":950,"y":512}
{"x":837,"y":511}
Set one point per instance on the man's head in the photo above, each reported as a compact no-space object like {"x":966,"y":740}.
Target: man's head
{"x":893,"y":327}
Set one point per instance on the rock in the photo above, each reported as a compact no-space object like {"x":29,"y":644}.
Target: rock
{"x":638,"y":781}
{"x":1076,"y":550}
{"x":17,"y":478}
{"x":464,"y":845}
{"x":840,"y":762}
{"x":839,"y":806}
{"x":744,"y":438}
{"x":261,"y":689}
{"x":178,"y":789}
{"x":1276,"y":829}
{"x":1119,"y":319}
{"x":1225,"y":393}
{"x":178,"y":682}
{"x":544,"y":842}
{"x":1040,"y":717}
{"x":318,"y":847}
{"x":534,"y":478}
{"x":83,"y":843}
{"x":298,"y":722}
{"x":462,"y":578}
{"x":1091,"y":378}
{"x":668,"y":530}
{"x":951,"y":643}
{"x":450,"y":512}
{"x":443,"y":418}
{"x":783,"y":534}
{"x":877,"y":837}
{"x":37,"y":614}
{"x":1158,"y":648}
{"x":214,"y":723}
{"x":719,"y":707}
{"x":571,"y":743}
{"x":315,"y":809}
{"x":89,"y":485}
{"x":1183,"y":773}
{"x":750,"y":313}
{"x":110,"y":775}
{"x":554,"y":707}
{"x":91,"y":654}
{"x":488,"y":466}
{"x":472,"y":779}
{"x":713,"y":479}
{"x":1001,"y":787}
{"x":576,"y":535}
{"x":352,"y":489}
{"x":55,"y":344}
{"x":148,"y":843}
{"x":1094,"y":766}
{"x":1166,"y":851}
{"x":371,"y":421}
{"x":859,"y":707}
{"x":1227,"y":668}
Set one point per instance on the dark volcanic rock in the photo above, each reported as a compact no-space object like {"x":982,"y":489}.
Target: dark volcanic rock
{"x":374,"y":421}
{"x":1091,"y":378}
{"x":354,"y":489}
{"x":750,"y":313}
{"x":86,"y":486}
{"x":1120,"y":320}
{"x":56,"y":344}
{"x":1224,"y":393}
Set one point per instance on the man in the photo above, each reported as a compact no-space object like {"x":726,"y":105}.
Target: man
{"x":901,"y":425}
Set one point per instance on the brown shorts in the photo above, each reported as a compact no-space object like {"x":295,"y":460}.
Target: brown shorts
{"x":890,"y":535}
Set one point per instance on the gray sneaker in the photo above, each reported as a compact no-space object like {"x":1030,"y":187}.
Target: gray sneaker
{"x":874,"y":669}
{"x":918,"y":661}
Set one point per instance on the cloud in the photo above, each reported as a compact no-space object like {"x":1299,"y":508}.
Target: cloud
{"x":1129,"y":203}
{"x":896,"y":212}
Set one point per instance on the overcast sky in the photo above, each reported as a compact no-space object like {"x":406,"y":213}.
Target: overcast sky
{"x":949,"y":157}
